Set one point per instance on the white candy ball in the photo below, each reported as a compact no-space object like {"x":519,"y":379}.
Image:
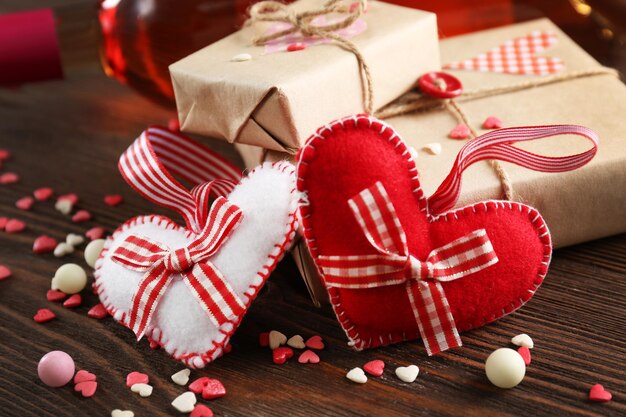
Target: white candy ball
{"x":505,"y":368}
{"x":70,"y":279}
{"x":92,"y":251}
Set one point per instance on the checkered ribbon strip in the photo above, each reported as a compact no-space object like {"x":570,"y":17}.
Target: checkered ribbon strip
{"x":161,"y":264}
{"x":151,"y":162}
{"x":516,"y":56}
{"x":394,"y":265}
{"x":497,"y":145}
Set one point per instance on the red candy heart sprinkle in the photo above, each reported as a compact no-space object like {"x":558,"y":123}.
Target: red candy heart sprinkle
{"x":298,"y":46}
{"x":87,"y":388}
{"x":3,"y":222}
{"x":81,"y":216}
{"x":9,"y":178}
{"x":72,"y":198}
{"x":492,"y":122}
{"x":525,"y":354}
{"x":201,"y":410}
{"x":95,"y":233}
{"x":113,"y":200}
{"x":264,"y":339}
{"x":315,"y":342}
{"x":44,"y":244}
{"x":98,"y":312}
{"x":4,"y":154}
{"x":25,"y":203}
{"x":281,"y":354}
{"x":209,"y":388}
{"x":5,"y":272}
{"x":597,"y":393}
{"x":460,"y":132}
{"x":44,"y":315}
{"x":55,"y":295}
{"x":42,"y":194}
{"x":375,"y":367}
{"x":83,"y":376}
{"x":308,"y":356}
{"x":14,"y":226}
{"x":73,"y":302}
{"x":136,"y":378}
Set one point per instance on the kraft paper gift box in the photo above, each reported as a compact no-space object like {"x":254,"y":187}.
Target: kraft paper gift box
{"x":277,"y":98}
{"x":578,"y":206}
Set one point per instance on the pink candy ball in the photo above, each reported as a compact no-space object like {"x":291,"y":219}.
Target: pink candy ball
{"x":56,"y":368}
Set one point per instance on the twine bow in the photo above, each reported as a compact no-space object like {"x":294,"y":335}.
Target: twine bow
{"x":303,"y":22}
{"x":394,"y":265}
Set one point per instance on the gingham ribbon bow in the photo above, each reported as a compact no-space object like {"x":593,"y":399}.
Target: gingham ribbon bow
{"x":394,"y":265}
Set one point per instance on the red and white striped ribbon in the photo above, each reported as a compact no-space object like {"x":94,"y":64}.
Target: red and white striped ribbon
{"x":394,"y":265}
{"x":498,"y":145}
{"x":161,"y":264}
{"x":151,"y":162}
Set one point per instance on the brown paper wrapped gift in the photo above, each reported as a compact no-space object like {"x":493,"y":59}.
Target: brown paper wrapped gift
{"x":275,"y":100}
{"x":578,"y":206}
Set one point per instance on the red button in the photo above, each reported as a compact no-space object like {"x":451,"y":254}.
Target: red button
{"x":440,"y":85}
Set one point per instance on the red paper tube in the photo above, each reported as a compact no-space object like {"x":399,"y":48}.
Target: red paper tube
{"x":29,"y":48}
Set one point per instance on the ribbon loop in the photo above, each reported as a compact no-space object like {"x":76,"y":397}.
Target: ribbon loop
{"x":394,"y":265}
{"x":497,"y":145}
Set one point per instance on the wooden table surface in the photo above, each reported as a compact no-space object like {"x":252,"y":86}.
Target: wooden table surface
{"x":69,"y":134}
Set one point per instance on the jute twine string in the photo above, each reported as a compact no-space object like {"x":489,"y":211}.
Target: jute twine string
{"x":302,"y":22}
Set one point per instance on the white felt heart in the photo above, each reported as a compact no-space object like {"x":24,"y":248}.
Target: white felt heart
{"x":268,"y":201}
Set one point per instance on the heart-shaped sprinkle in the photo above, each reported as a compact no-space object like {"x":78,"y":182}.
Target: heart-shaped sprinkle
{"x":185,"y":402}
{"x":433,"y":148}
{"x":308,"y":356}
{"x":281,"y":354}
{"x":198,"y":385}
{"x":136,"y":378}
{"x":74,"y":239}
{"x":144,"y":390}
{"x":64,"y":206}
{"x":14,"y":226}
{"x":55,"y":295}
{"x":122,"y":413}
{"x":81,"y":216}
{"x":597,"y":393}
{"x":264,"y":339}
{"x":357,"y":375}
{"x":63,"y":249}
{"x":181,"y":377}
{"x":72,"y":198}
{"x":276,"y":339}
{"x":523,"y":340}
{"x":3,"y":222}
{"x":213,"y":388}
{"x":525,"y":354}
{"x":461,"y":131}
{"x":296,"y":342}
{"x":87,"y":388}
{"x":9,"y":178}
{"x":44,"y":244}
{"x":315,"y":342}
{"x":44,"y":193}
{"x":98,"y":312}
{"x":82,"y":376}
{"x":95,"y":233}
{"x":73,"y":302}
{"x":492,"y":122}
{"x":4,"y":154}
{"x":43,"y":315}
{"x":375,"y":367}
{"x":201,"y":410}
{"x":25,"y":203}
{"x":113,"y":200}
{"x":297,"y":46}
{"x":5,"y":272}
{"x":407,"y":373}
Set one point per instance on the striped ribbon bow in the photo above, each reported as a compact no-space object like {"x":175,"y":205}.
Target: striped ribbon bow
{"x":394,"y":265}
{"x":161,"y":264}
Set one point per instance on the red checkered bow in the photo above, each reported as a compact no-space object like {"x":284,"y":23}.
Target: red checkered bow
{"x":394,"y":265}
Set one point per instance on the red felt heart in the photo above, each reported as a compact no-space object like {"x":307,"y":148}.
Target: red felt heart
{"x":599,"y":394}
{"x":42,"y":194}
{"x":82,"y":376}
{"x":87,"y":388}
{"x":348,"y":156}
{"x":44,"y":244}
{"x":113,"y":200}
{"x":375,"y":367}
{"x":14,"y":226}
{"x":44,"y":315}
{"x":136,"y":378}
{"x":201,"y":410}
{"x":281,"y":354}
